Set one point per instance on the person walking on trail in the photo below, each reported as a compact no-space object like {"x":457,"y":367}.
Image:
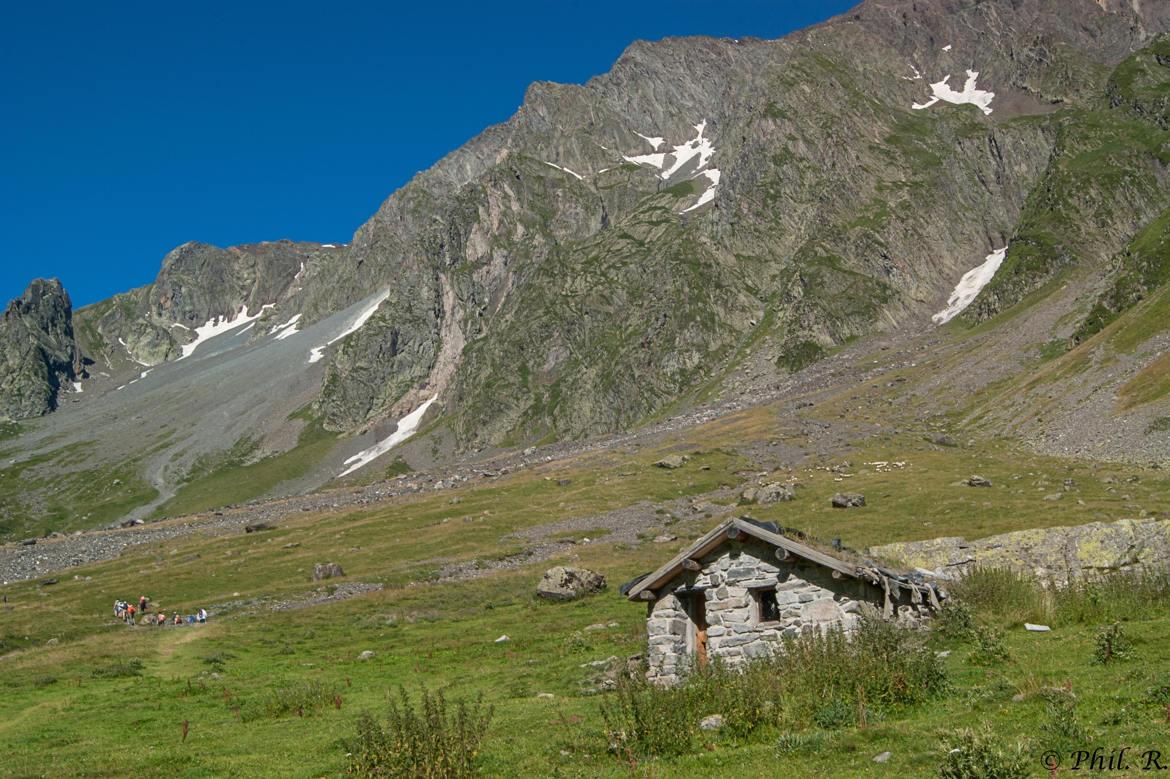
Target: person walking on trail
{"x":142,"y":604}
{"x":201,"y":615}
{"x":162,"y":619}
{"x":177,"y":619}
{"x":130,"y":616}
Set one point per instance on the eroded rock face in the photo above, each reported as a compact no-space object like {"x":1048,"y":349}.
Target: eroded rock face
{"x":1055,"y":553}
{"x":568,"y":583}
{"x":38,"y":353}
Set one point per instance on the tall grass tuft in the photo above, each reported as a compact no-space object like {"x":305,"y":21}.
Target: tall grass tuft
{"x":435,"y":741}
{"x":1004,"y":596}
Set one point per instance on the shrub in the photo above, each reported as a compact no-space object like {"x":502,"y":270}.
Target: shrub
{"x":989,"y":647}
{"x":436,"y":740}
{"x":119,"y":667}
{"x":801,"y":743}
{"x":294,"y":698}
{"x":1113,"y":644}
{"x":955,"y":620}
{"x":1061,"y":723}
{"x":982,"y":755}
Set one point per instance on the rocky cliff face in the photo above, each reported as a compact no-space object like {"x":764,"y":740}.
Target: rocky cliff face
{"x":619,"y":248}
{"x":197,"y":285}
{"x":613,"y":247}
{"x":38,"y":355}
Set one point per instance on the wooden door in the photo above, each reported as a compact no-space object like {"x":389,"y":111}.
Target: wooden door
{"x":698,"y":603}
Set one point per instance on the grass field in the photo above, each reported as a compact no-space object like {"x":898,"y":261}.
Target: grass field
{"x":268,"y":693}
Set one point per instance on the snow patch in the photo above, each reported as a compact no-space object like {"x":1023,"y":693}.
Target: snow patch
{"x":220,"y":325}
{"x":948,"y":47}
{"x":699,"y":147}
{"x":969,"y":286}
{"x":713,"y":176}
{"x":406,"y":428}
{"x":654,"y":160}
{"x":654,"y":142}
{"x":287,"y":329}
{"x":566,"y":170}
{"x":942,"y":91}
{"x":916,"y":77}
{"x":317,"y":352}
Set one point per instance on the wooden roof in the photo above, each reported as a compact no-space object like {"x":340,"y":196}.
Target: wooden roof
{"x":722,"y":534}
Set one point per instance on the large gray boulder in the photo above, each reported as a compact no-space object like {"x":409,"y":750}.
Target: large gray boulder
{"x":847,"y":500}
{"x":323,"y":571}
{"x":567,"y":583}
{"x":767,"y":493}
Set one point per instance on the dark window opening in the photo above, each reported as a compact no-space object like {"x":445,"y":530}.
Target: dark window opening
{"x":767,"y":610}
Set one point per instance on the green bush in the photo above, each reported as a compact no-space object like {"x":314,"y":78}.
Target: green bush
{"x":118,"y":668}
{"x":1113,"y":644}
{"x":955,"y":620}
{"x":435,"y":740}
{"x":982,"y":755}
{"x":1061,"y":724}
{"x":989,"y":647}
{"x":300,"y":698}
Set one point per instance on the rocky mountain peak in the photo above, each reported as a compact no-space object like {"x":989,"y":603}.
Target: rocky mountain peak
{"x":37,"y":351}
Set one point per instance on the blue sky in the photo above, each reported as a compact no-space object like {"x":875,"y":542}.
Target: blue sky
{"x":129,"y":128}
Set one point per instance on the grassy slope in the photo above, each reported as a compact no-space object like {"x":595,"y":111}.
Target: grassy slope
{"x":59,"y":718}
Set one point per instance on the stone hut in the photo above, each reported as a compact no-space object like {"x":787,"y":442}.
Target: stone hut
{"x":735,"y":592}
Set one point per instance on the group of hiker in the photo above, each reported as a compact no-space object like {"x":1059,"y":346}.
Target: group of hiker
{"x":128,"y":611}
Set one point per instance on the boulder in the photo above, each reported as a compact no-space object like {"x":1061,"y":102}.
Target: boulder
{"x":366,"y":655}
{"x":847,"y":500}
{"x":672,"y":461}
{"x":567,"y":583}
{"x":767,"y":493}
{"x":714,"y":722}
{"x":323,"y":571}
{"x":256,"y":527}
{"x":978,"y":481}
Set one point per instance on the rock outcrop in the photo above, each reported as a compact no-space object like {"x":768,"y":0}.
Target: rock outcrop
{"x":1055,"y":553}
{"x":38,"y":354}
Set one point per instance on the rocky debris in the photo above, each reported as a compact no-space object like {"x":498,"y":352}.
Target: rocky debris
{"x":1054,"y":496}
{"x":713,"y":722}
{"x":672,"y":461}
{"x":942,"y":439}
{"x":318,"y":597}
{"x":847,"y":500}
{"x":568,"y":583}
{"x":665,"y":538}
{"x":322,"y":571}
{"x":1056,"y":553}
{"x":38,"y":354}
{"x":978,"y":481}
{"x":257,"y":527}
{"x":767,"y":493}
